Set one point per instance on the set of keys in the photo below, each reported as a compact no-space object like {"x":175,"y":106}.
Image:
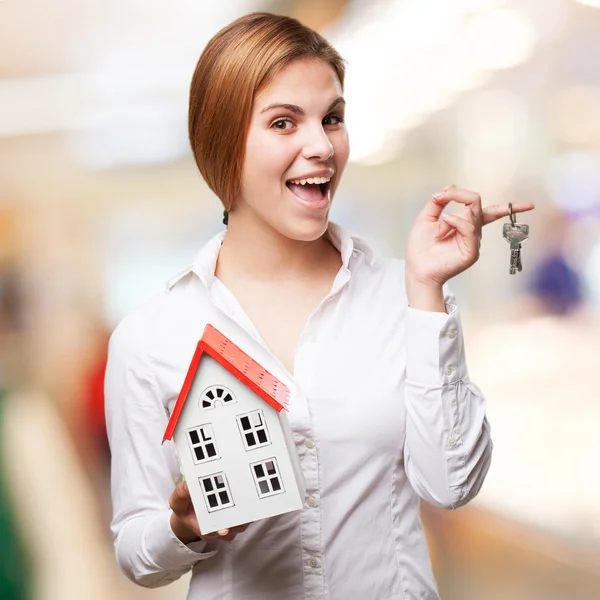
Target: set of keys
{"x":515,"y":234}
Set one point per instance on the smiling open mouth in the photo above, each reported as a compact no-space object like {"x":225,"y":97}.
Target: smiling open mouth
{"x":313,"y":190}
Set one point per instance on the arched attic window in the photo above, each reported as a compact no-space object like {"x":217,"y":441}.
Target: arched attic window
{"x":215,"y":394}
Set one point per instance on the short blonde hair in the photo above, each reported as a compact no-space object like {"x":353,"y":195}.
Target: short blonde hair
{"x":236,"y":64}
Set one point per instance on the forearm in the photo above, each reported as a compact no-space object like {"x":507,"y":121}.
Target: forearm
{"x":149,"y":552}
{"x":448,"y":445}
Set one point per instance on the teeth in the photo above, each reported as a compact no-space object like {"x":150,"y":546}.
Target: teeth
{"x":318,"y":180}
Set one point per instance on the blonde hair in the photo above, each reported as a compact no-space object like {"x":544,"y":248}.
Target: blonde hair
{"x":236,"y":64}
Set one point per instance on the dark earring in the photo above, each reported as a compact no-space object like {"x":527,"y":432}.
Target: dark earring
{"x":225,"y":217}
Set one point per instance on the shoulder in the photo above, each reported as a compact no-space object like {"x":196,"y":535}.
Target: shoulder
{"x":151,"y":321}
{"x":130,"y":336}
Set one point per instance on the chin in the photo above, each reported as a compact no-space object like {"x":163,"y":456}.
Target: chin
{"x":305,"y":230}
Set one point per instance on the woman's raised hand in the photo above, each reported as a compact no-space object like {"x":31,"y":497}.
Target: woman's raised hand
{"x":439,"y":249}
{"x":185,"y":524}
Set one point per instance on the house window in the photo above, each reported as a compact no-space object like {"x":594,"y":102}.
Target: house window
{"x":267,"y":478}
{"x":202,"y":443}
{"x":216,"y":393}
{"x":216,"y":492}
{"x":253,"y":429}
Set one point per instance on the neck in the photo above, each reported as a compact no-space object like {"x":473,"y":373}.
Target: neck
{"x":255,"y":252}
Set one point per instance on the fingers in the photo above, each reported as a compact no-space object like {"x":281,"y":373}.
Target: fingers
{"x":225,"y":535}
{"x":434,"y":208}
{"x":471,"y":199}
{"x":498,"y":211}
{"x":432,"y":211}
{"x":467,"y":230}
{"x":180,"y":502}
{"x":466,"y":197}
{"x":444,"y":228}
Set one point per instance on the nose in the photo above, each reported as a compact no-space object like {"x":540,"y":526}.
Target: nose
{"x":317,"y":144}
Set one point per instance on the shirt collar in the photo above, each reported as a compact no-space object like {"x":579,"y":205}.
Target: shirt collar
{"x":205,"y":261}
{"x":348,"y":244}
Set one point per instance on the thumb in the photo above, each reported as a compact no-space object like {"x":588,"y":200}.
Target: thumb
{"x":180,"y":498}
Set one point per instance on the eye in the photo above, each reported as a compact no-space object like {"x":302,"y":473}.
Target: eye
{"x":282,"y":124}
{"x":333,"y":120}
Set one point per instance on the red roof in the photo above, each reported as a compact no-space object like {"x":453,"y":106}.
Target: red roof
{"x":238,"y":363}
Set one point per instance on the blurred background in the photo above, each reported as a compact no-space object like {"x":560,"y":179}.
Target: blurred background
{"x":101,"y":203}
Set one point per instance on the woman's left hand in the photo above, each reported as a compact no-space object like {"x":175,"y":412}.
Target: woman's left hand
{"x":439,"y":249}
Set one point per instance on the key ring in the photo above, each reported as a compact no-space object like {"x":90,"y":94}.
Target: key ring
{"x":513,"y":221}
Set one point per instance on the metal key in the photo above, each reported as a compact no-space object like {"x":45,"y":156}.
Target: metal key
{"x":515,"y":234}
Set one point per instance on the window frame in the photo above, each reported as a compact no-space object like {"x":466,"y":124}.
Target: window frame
{"x":254,"y":429}
{"x":212,"y":401}
{"x":202,"y":443}
{"x":267,"y":478}
{"x":216,"y":491}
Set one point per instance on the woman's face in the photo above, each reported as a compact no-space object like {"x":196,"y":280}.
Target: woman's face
{"x":297,"y":132}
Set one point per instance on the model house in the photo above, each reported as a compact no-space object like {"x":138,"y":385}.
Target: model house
{"x":233,"y":439}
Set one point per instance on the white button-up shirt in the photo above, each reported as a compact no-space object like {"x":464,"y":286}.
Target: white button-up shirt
{"x":386,"y":416}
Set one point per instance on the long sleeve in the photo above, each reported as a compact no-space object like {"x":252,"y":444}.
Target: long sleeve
{"x":448,"y":445}
{"x":143,"y":472}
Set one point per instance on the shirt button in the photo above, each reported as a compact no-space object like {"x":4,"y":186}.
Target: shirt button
{"x":451,"y":334}
{"x":312,"y":338}
{"x":309,"y":443}
{"x":311,"y":502}
{"x":313,"y":562}
{"x":451,"y":441}
{"x":449,"y":370}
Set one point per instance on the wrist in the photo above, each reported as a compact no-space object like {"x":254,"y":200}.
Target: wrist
{"x":183,"y":533}
{"x":424,"y":296}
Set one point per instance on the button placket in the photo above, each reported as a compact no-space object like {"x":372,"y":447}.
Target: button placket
{"x":309,"y":460}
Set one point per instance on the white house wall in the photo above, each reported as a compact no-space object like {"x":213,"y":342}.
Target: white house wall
{"x":235,"y":463}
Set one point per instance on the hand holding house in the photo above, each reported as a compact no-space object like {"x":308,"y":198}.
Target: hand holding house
{"x":233,"y":439}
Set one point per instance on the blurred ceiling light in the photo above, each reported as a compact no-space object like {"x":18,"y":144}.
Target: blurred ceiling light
{"x":492,"y":118}
{"x":412,"y":58}
{"x":407,"y":59}
{"x":149,"y":134}
{"x":454,"y":74}
{"x":500,"y":39}
{"x":575,"y":113}
{"x":142,"y":66}
{"x":467,"y":6}
{"x":43,"y":104}
{"x":384,"y":152}
{"x":492,"y":124}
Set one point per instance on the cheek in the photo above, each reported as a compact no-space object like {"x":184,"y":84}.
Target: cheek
{"x":341,"y":147}
{"x":267,"y":156}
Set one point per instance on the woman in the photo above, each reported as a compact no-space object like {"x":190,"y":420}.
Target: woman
{"x":390,"y":415}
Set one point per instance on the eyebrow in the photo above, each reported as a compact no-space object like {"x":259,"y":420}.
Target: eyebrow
{"x":297,"y":109}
